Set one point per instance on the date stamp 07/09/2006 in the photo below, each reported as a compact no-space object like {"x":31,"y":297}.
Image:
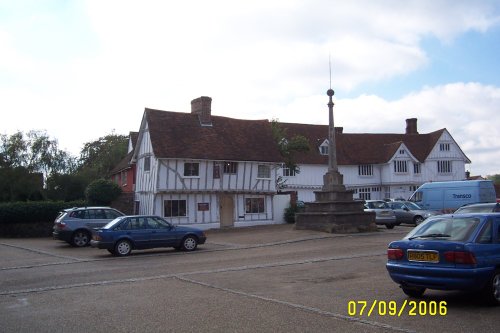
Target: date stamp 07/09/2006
{"x":392,"y":308}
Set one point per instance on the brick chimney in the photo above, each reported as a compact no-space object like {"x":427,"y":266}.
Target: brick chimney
{"x":202,"y":106}
{"x":411,"y":126}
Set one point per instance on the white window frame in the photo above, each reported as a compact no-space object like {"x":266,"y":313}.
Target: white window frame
{"x":230,"y":168}
{"x":365,"y":170}
{"x":444,"y":167}
{"x":287,"y":172}
{"x":178,"y":202}
{"x":187,"y":167}
{"x":400,"y":166}
{"x":147,"y":163}
{"x":417,"y":168}
{"x":263,"y":171}
{"x":258,"y":203}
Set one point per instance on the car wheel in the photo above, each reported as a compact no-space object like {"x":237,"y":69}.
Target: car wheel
{"x":417,"y":220}
{"x":389,"y":226}
{"x":413,"y":292}
{"x":80,"y":238}
{"x":122,"y":248}
{"x":189,"y":243}
{"x":492,"y":289}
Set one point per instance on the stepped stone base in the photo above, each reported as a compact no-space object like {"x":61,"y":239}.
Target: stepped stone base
{"x":335,"y":211}
{"x":332,"y":222}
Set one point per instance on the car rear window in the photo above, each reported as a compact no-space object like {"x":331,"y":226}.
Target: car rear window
{"x":112,"y":214}
{"x":449,"y":228}
{"x":475,"y":209}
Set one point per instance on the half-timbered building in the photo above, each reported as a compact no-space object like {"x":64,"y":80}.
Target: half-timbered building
{"x":211,"y":171}
{"x":376,"y":166}
{"x":196,"y":168}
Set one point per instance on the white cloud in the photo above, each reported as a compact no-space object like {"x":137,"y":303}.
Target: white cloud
{"x":257,"y":59}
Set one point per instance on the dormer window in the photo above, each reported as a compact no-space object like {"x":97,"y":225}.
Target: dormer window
{"x":323,"y":148}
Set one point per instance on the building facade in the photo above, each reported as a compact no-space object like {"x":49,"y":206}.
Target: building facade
{"x":211,"y":171}
{"x":377,"y":166}
{"x":198,"y":169}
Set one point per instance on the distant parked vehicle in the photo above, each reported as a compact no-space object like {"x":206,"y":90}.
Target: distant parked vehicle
{"x":449,"y":252}
{"x":448,"y":196}
{"x":383,"y":213}
{"x":479,"y":208}
{"x":74,"y":225}
{"x":410,"y":212}
{"x":127,"y":233}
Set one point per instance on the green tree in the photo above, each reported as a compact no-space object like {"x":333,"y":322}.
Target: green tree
{"x":36,"y":152}
{"x":494,"y":178}
{"x":99,"y":157}
{"x":65,"y":187}
{"x":289,"y":146}
{"x":102,"y":192}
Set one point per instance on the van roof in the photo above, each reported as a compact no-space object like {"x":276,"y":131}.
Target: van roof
{"x":458,"y":183}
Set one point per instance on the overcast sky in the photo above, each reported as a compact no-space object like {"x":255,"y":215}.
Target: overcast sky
{"x":82,"y":69}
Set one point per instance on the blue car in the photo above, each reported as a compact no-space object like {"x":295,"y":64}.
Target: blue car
{"x":127,"y":233}
{"x":449,"y":252}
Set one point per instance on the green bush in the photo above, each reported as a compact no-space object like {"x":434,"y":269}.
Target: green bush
{"x":32,"y":218}
{"x":290,"y":213}
{"x":102,"y":192}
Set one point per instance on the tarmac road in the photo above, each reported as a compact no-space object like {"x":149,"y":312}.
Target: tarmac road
{"x":257,"y":279}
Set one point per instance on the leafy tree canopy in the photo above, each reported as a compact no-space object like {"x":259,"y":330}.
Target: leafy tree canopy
{"x":288,"y":147}
{"x":36,"y":152}
{"x":102,"y":192}
{"x":494,"y":178}
{"x":99,"y":157}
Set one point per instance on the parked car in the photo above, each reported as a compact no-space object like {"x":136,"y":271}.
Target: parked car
{"x":383,"y":213}
{"x":410,"y":212}
{"x":74,"y":225}
{"x":127,"y":233}
{"x":449,"y":252}
{"x":479,"y":208}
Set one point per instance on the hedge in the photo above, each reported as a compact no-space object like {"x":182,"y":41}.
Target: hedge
{"x":32,"y":218}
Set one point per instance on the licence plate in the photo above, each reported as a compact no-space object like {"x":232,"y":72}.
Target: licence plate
{"x":423,"y":256}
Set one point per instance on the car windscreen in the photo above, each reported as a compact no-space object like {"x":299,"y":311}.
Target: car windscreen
{"x":445,"y":228}
{"x":111,"y":224}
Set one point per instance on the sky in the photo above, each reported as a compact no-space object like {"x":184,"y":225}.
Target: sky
{"x":80,"y":70}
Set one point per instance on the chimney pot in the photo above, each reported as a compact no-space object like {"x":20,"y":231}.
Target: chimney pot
{"x":202,"y":106}
{"x":411,"y":126}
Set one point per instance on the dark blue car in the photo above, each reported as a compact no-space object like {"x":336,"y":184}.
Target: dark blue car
{"x":449,"y":252}
{"x":127,"y":233}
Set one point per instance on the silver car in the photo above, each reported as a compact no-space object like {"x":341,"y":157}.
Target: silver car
{"x":74,"y":225}
{"x":410,"y":212}
{"x":383,"y":213}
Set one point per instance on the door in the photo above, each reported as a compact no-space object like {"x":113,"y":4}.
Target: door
{"x":226,"y":211}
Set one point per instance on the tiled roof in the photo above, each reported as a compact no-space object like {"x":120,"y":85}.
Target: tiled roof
{"x":180,"y":135}
{"x":355,"y":149}
{"x":125,"y":162}
{"x":133,"y":137}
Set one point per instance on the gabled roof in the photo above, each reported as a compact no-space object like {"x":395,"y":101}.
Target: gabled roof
{"x":363,"y":148}
{"x":180,"y":135}
{"x":125,"y":162}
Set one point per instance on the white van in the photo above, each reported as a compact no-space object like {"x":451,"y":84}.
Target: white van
{"x":448,"y":196}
